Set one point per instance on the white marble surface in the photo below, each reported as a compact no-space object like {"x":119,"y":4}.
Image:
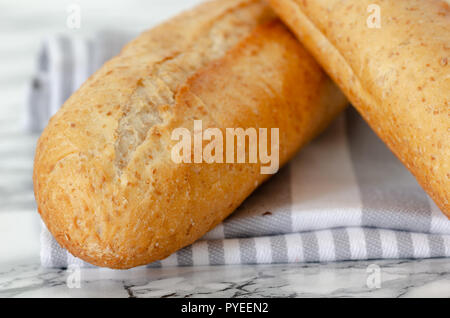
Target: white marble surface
{"x":427,"y":278}
{"x":23,"y":24}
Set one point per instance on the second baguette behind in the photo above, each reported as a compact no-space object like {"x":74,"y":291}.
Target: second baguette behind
{"x":397,"y":76}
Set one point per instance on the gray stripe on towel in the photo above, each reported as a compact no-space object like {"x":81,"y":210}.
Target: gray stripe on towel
{"x":67,"y":72}
{"x":437,"y":245}
{"x":373,"y":244}
{"x":58,"y":255}
{"x":310,"y":247}
{"x":341,"y":244}
{"x":404,"y":245}
{"x":184,"y":257}
{"x":247,"y":251}
{"x":156,"y":264}
{"x":278,"y":245}
{"x":216,"y":253}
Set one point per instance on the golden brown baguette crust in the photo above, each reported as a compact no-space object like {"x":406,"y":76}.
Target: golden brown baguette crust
{"x":104,"y":180}
{"x":398,"y":76}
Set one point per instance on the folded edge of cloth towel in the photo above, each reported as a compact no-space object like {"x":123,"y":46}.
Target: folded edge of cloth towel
{"x":344,"y":244}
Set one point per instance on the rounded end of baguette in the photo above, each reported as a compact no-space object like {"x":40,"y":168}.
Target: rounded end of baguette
{"x":85,"y":210}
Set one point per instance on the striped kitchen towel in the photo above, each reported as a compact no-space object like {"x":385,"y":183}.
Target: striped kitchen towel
{"x":343,"y":197}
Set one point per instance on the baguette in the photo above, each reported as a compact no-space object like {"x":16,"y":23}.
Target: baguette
{"x":104,"y":181}
{"x":397,"y":76}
